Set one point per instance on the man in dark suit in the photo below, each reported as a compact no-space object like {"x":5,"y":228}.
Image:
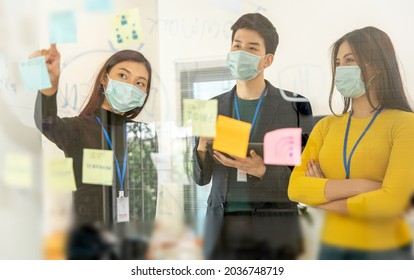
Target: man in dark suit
{"x":249,"y":215}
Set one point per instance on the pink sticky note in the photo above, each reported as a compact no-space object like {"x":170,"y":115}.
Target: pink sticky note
{"x":283,"y":146}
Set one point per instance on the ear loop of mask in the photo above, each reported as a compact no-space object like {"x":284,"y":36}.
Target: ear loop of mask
{"x":104,"y":89}
{"x":263,"y":65}
{"x":370,"y":80}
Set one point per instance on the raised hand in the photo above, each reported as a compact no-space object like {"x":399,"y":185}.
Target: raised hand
{"x":52,"y":57}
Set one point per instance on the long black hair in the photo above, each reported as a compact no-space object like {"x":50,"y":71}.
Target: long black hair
{"x":97,"y":96}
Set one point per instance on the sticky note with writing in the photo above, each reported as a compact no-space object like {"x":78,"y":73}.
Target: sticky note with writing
{"x":34,"y":74}
{"x":232,"y":136}
{"x":98,"y":167}
{"x":283,"y":146}
{"x":201,"y":116}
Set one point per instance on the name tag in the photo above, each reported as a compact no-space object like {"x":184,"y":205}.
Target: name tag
{"x":122,"y":209}
{"x":241,"y":176}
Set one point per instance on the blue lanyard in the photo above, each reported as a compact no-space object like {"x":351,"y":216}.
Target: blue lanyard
{"x":121,"y":176}
{"x":256,"y":112}
{"x":347,"y":162}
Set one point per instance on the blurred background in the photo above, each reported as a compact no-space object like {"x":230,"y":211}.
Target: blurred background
{"x":186,"y":42}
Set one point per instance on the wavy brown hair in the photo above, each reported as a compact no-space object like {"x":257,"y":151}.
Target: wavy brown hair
{"x":97,"y":94}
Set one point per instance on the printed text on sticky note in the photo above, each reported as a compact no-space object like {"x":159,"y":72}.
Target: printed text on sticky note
{"x":59,"y":174}
{"x":97,"y":167}
{"x":34,"y":75}
{"x":126,"y":28}
{"x":283,"y":146}
{"x":232,"y":136}
{"x":62,"y":27}
{"x":201,"y":116}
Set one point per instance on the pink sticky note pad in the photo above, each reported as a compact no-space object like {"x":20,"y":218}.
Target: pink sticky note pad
{"x":283,"y":146}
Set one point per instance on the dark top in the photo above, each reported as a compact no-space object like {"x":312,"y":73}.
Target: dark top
{"x":237,"y":198}
{"x":273,"y":211}
{"x":73,"y":134}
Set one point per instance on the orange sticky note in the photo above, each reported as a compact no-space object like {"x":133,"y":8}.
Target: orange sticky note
{"x":232,"y":136}
{"x":283,"y":146}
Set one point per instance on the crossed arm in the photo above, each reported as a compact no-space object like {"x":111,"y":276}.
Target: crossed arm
{"x":338,"y":191}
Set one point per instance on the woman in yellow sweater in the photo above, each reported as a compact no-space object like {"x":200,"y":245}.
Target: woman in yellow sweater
{"x":358,"y":165}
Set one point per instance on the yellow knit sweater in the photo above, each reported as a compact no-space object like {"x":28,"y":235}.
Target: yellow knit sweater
{"x":386,"y":153}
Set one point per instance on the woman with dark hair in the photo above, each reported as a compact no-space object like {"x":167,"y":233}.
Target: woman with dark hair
{"x":358,"y":165}
{"x":119,"y":93}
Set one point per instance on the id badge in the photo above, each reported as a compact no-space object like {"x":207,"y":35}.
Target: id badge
{"x":122,"y":206}
{"x":241,"y":176}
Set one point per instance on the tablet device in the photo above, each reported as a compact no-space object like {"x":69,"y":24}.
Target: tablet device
{"x":257,"y":147}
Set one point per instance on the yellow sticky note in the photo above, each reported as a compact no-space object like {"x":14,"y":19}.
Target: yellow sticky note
{"x":18,"y":171}
{"x":59,"y":174}
{"x":201,"y":116}
{"x":126,"y":28}
{"x":98,"y":167}
{"x":232,"y":136}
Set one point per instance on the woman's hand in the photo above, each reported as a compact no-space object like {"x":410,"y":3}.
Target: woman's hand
{"x":52,"y":57}
{"x":314,"y":170}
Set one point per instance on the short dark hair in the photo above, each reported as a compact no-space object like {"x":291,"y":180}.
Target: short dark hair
{"x":97,"y":96}
{"x":259,"y":23}
{"x":373,"y":46}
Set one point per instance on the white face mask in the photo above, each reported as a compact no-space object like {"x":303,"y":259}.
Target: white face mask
{"x":348,"y":81}
{"x":243,"y":65}
{"x":123,"y":97}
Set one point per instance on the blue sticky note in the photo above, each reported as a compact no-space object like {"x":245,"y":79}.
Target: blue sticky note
{"x":99,"y":5}
{"x":34,"y":74}
{"x":62,"y":27}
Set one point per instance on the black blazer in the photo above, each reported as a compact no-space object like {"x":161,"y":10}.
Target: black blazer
{"x":272,"y":188}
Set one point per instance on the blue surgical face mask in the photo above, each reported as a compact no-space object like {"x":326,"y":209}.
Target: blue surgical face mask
{"x":243,"y":65}
{"x":348,"y":81}
{"x":123,"y":97}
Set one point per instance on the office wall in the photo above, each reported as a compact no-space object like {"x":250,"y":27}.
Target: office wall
{"x":200,"y":30}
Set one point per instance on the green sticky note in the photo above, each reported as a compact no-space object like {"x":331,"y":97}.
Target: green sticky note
{"x":18,"y":171}
{"x":59,"y":174}
{"x":201,"y":116}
